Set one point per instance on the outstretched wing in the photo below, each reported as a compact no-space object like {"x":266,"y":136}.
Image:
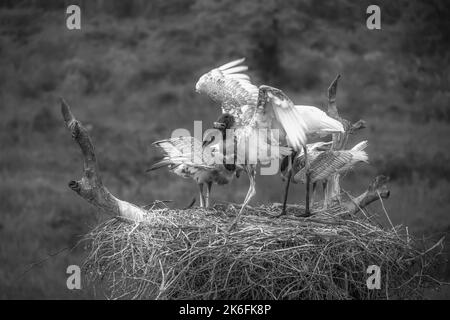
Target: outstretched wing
{"x":328,"y":163}
{"x":317,"y":121}
{"x":184,"y":150}
{"x":277,"y":111}
{"x":228,"y":86}
{"x":296,"y":121}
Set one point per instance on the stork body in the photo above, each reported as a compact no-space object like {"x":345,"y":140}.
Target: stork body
{"x":261,"y":110}
{"x":203,"y":162}
{"x":327,"y":163}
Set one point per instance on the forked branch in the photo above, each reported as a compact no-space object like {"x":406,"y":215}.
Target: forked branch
{"x":332,"y":107}
{"x":340,"y":140}
{"x":90,"y":187}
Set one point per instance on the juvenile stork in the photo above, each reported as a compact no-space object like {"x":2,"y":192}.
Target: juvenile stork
{"x":292,"y":163}
{"x":265,"y":119}
{"x":203,"y":162}
{"x":327,"y":163}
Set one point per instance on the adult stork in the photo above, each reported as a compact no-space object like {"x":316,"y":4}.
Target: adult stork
{"x":264,"y":116}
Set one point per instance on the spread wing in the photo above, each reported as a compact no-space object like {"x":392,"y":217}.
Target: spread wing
{"x":278,"y":111}
{"x":229,"y":87}
{"x":184,"y":150}
{"x":296,"y":121}
{"x":328,"y":163}
{"x":317,"y":121}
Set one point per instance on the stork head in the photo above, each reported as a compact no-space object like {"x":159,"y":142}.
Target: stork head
{"x":224,"y":122}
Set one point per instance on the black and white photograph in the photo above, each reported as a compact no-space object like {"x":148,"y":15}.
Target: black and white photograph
{"x":242,"y":151}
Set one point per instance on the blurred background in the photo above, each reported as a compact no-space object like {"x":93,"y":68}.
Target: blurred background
{"x":129,"y":75}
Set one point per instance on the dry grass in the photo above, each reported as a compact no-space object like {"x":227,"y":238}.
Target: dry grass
{"x":187,"y":254}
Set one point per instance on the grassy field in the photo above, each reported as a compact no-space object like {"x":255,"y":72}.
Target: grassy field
{"x":130,"y":78}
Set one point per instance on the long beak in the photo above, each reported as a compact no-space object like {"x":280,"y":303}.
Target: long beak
{"x":219,"y":125}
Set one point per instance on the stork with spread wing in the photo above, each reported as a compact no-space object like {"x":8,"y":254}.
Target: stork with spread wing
{"x":284,"y":126}
{"x":326,"y":163}
{"x":203,"y":162}
{"x":313,"y":150}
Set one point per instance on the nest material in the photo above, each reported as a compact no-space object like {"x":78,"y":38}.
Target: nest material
{"x":188,"y":254}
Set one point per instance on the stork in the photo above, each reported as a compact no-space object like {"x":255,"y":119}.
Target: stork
{"x":255,"y":108}
{"x":203,"y":162}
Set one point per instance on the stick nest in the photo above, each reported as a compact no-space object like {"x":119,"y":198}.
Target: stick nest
{"x":188,"y":254}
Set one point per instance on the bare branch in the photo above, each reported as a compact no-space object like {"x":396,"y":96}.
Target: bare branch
{"x":377,"y":188}
{"x":332,"y":108}
{"x":340,"y":140}
{"x":358,"y":125}
{"x":334,"y":113}
{"x":90,"y":187}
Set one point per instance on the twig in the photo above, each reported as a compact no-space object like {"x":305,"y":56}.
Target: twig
{"x":387,"y":215}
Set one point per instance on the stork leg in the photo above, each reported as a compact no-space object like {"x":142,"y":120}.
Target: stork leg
{"x":200,"y":191}
{"x":325,"y":194}
{"x":286,"y":189}
{"x":286,"y":192}
{"x":250,"y":169}
{"x":313,"y":196}
{"x":208,"y":193}
{"x":307,"y":211}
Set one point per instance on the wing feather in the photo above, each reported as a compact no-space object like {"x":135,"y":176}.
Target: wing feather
{"x":328,"y":163}
{"x":360,"y":146}
{"x":187,"y":151}
{"x":231,"y":64}
{"x":281,"y":109}
{"x":324,"y":165}
{"x":243,"y":78}
{"x":230,"y":87}
{"x":294,"y":126}
{"x":235,"y":70}
{"x":297,"y":121}
{"x":318,"y":121}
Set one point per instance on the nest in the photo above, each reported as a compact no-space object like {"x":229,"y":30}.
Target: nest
{"x":188,"y":254}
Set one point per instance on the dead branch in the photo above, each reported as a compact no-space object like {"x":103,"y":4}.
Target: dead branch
{"x":332,"y":107}
{"x":340,"y":140}
{"x":358,"y":125}
{"x":90,"y":187}
{"x":376,"y":190}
